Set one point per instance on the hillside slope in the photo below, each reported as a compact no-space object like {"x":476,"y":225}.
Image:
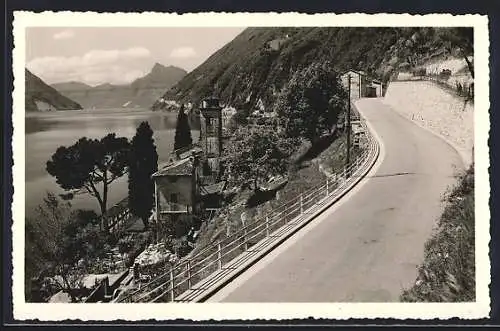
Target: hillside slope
{"x":142,"y":92}
{"x":40,"y":96}
{"x":259,"y":61}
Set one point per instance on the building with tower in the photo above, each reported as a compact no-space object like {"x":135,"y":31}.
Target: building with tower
{"x":189,"y":186}
{"x":211,"y":139}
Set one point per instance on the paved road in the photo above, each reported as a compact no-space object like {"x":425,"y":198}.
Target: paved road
{"x":366,"y":248}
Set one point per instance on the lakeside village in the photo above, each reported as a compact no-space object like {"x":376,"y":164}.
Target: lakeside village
{"x":190,"y":191}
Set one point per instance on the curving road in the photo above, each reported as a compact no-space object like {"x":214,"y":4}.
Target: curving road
{"x":366,"y":247}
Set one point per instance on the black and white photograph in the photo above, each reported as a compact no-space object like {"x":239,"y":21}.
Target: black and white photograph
{"x":284,"y":165}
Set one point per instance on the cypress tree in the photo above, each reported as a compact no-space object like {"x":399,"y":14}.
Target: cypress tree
{"x":182,"y":131}
{"x":143,"y":162}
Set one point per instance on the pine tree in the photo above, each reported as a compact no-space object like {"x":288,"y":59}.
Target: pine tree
{"x":182,"y":131}
{"x":143,"y":162}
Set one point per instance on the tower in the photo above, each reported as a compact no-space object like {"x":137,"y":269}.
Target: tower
{"x":211,"y":137}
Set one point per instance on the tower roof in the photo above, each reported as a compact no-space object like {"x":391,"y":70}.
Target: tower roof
{"x":210,"y":103}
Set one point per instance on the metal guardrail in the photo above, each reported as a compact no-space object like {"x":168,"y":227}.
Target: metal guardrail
{"x":182,"y":276}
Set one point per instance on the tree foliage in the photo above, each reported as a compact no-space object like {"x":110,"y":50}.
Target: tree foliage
{"x":89,"y":164}
{"x":182,"y":131}
{"x":311,"y":102}
{"x":57,"y":239}
{"x":256,"y":155}
{"x":143,"y":162}
{"x":461,"y":38}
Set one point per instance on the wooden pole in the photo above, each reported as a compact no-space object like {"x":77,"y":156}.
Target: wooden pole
{"x":189,"y":273}
{"x":301,"y":204}
{"x":172,"y":295}
{"x":219,"y":255}
{"x":245,"y":242}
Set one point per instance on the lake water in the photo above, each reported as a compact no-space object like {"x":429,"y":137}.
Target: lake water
{"x":45,"y":132}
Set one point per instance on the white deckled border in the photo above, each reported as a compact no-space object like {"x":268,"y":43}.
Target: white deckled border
{"x":222,"y":311}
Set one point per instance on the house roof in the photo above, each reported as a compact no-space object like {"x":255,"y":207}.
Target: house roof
{"x":213,"y":188}
{"x":362,"y":73}
{"x":359,"y":72}
{"x":182,"y":167}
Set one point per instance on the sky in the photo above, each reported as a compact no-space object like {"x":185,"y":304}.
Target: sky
{"x":118,"y":55}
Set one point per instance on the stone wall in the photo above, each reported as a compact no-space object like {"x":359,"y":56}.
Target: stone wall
{"x":439,"y":111}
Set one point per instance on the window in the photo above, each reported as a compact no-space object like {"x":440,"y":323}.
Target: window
{"x":212,"y":146}
{"x":173,"y":198}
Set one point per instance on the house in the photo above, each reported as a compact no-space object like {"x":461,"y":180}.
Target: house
{"x":176,"y":196}
{"x":358,"y":83}
{"x":378,"y":87}
{"x":276,"y":44}
{"x":227,"y":114}
{"x":362,"y":86}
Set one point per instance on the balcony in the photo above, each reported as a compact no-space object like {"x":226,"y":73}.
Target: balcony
{"x":214,"y":132}
{"x":174,"y":208}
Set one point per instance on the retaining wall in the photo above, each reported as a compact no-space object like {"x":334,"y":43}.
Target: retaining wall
{"x":437,"y":110}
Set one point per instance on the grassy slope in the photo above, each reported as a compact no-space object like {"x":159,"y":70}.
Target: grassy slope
{"x":448,"y":271}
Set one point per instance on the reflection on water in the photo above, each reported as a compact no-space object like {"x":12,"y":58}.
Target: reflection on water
{"x":45,"y":132}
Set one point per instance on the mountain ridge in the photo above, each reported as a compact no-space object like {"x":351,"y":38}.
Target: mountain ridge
{"x":41,"y":96}
{"x":142,"y":92}
{"x":260,"y":61}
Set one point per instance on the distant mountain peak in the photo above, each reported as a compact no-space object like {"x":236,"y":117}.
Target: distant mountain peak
{"x":142,"y":92}
{"x":157,"y":66}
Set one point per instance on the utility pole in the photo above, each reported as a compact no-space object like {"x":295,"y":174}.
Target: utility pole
{"x":348,"y":122}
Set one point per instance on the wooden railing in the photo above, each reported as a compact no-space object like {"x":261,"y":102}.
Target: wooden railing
{"x":118,"y":216}
{"x":182,"y":276}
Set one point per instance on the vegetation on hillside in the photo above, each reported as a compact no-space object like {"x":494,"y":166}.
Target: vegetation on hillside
{"x":256,"y":155}
{"x":56,"y":240}
{"x":38,"y":91}
{"x":63,"y":245}
{"x":310,"y":103}
{"x":448,"y":271}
